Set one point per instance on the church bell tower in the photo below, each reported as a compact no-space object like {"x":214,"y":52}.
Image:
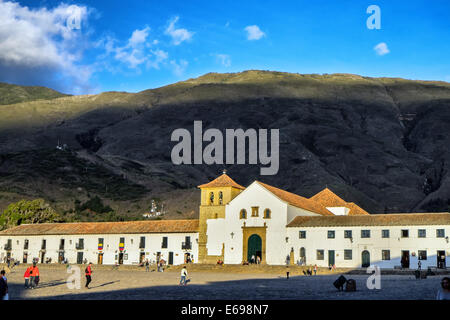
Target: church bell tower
{"x":215,"y":195}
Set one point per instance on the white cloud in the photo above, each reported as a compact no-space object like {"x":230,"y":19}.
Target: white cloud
{"x":159,"y":57}
{"x":179,"y":68}
{"x":178,"y":35}
{"x":138,"y":37}
{"x":381,"y":49}
{"x":254,"y":33}
{"x":224,"y":59}
{"x":136,"y":52}
{"x":43,"y":45}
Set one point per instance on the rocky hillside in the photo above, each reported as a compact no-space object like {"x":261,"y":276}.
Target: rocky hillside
{"x":380,"y":142}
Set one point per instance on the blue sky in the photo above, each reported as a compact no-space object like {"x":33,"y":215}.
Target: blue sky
{"x":93,"y":45}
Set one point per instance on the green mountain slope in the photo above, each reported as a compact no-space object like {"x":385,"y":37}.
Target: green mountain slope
{"x":10,"y":93}
{"x":380,"y":142}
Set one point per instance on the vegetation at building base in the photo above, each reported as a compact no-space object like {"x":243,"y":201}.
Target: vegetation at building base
{"x":29,"y":212}
{"x":39,"y":211}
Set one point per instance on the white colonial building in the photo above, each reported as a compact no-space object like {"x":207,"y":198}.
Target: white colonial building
{"x":237,"y":224}
{"x":130,"y":242}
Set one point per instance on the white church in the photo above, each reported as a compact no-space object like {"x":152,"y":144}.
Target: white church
{"x":238,"y":224}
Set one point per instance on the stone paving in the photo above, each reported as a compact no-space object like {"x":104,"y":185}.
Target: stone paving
{"x":137,"y":284}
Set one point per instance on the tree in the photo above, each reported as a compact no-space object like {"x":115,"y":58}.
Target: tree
{"x":25,"y":211}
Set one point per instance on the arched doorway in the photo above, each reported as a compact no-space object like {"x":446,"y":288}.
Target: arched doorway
{"x":254,"y":247}
{"x":302,"y":256}
{"x":365,"y":258}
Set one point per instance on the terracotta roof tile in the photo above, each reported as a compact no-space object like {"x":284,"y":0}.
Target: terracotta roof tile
{"x":297,"y":201}
{"x":223,"y":181}
{"x":398,"y":219}
{"x":126,"y":227}
{"x":329,"y":199}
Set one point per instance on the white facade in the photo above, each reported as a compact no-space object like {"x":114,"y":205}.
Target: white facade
{"x":132,"y":253}
{"x":313,"y":236}
{"x":229,"y":232}
{"x":317,"y":239}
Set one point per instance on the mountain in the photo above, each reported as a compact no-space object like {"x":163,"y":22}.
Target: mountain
{"x":379,"y":142}
{"x":10,"y":93}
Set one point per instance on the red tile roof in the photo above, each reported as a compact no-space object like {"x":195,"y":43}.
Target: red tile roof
{"x":223,"y":181}
{"x":328,"y":198}
{"x":398,"y":219}
{"x":126,"y":227}
{"x":297,"y":201}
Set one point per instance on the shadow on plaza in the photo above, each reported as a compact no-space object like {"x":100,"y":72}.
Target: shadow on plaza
{"x":319,"y":287}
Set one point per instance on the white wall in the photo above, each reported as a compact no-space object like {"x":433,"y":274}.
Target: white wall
{"x":339,"y":211}
{"x":216,"y":236}
{"x":316,"y":238}
{"x":256,"y":195}
{"x":110,"y":247}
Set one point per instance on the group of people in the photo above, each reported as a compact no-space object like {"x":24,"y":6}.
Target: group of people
{"x":310,"y":270}
{"x":256,"y":260}
{"x":31,"y":277}
{"x":160,"y":264}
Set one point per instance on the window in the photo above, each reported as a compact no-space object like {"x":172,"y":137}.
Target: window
{"x":25,"y":244}
{"x":440,"y":233}
{"x":80,"y":244}
{"x":267,"y":213}
{"x":243,"y":214}
{"x":44,"y":244}
{"x":302,"y":252}
{"x":422,"y":233}
{"x":8,"y":245}
{"x":186,"y":245}
{"x":331,"y":234}
{"x":365,"y":233}
{"x":320,"y":255}
{"x":61,"y":244}
{"x":164,"y":243}
{"x":348,"y":234}
{"x":422,"y":254}
{"x":385,"y":233}
{"x":211,"y":198}
{"x":255,"y":211}
{"x":385,"y":254}
{"x":348,"y":255}
{"x":302,"y":235}
{"x":142,"y":243}
{"x":220,"y":197}
{"x":405,"y":233}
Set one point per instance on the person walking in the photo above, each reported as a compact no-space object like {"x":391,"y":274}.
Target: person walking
{"x":184,"y":274}
{"x":3,"y":286}
{"x":36,"y":275}
{"x":419,"y":265}
{"x":147,"y":266}
{"x":444,"y":292}
{"x":88,"y":273}
{"x":26,"y":276}
{"x":315,"y":269}
{"x":32,"y":279}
